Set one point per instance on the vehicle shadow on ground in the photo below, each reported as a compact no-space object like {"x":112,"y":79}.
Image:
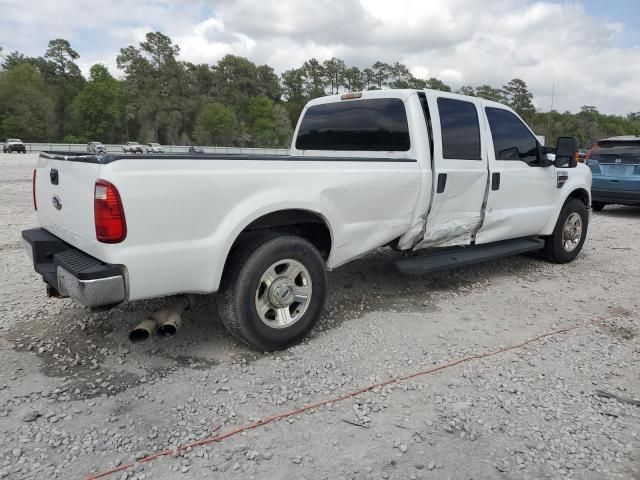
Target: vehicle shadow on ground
{"x":86,"y":343}
{"x":368,"y":284}
{"x":620,"y":212}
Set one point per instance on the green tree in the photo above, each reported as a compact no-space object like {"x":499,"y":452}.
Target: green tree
{"x":353,"y":79}
{"x":97,"y":110}
{"x":215,"y":125}
{"x":26,"y":110}
{"x":262,"y":127}
{"x":314,"y":73}
{"x":294,"y":88}
{"x":63,"y":56}
{"x":519,"y":98}
{"x":368,"y":78}
{"x":489,"y":93}
{"x":437,"y":84}
{"x":64,"y":78}
{"x":268,"y":122}
{"x":467,"y":90}
{"x":268,"y":84}
{"x":156,"y":89}
{"x":381,"y":72}
{"x":236,"y":82}
{"x":12,"y":59}
{"x":334,"y":69}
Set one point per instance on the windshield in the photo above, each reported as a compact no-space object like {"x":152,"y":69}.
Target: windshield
{"x":14,"y":140}
{"x":154,"y":144}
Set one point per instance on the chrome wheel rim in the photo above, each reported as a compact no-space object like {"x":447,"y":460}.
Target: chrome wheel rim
{"x":283,"y":293}
{"x":572,"y":232}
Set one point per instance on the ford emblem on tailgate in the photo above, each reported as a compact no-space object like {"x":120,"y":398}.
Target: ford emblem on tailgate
{"x":56,"y":202}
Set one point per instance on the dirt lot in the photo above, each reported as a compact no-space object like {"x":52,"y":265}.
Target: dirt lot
{"x":76,"y":398}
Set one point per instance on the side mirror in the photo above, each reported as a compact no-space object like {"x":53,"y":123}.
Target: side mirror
{"x":566,"y":152}
{"x":546,"y":155}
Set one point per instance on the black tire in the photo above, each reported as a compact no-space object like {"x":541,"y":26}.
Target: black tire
{"x":598,"y":206}
{"x":555,"y":248}
{"x":242,"y":280}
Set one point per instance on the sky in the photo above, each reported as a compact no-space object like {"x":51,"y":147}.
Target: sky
{"x":588,"y":49}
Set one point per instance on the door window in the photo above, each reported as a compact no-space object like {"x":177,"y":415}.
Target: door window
{"x":460,"y":129}
{"x":512,"y":140}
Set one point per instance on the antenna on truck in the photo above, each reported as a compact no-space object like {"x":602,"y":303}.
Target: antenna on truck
{"x":553,"y":90}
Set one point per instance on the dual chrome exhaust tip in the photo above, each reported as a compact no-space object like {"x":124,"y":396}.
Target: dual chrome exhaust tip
{"x":164,"y":322}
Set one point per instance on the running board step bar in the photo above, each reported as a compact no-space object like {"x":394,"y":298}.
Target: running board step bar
{"x":462,"y":256}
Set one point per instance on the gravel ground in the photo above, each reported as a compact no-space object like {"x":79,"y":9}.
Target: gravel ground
{"x":77,"y":398}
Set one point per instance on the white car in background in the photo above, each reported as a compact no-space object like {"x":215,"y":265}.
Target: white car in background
{"x":132,"y":147}
{"x":154,"y":148}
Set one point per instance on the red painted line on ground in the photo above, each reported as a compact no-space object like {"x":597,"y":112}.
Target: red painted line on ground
{"x":297,"y":411}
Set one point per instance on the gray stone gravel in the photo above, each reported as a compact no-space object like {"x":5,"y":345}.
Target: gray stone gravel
{"x":76,"y":397}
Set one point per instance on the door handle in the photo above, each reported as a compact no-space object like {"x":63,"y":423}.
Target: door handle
{"x":442,"y":182}
{"x":495,"y":181}
{"x":53,"y":176}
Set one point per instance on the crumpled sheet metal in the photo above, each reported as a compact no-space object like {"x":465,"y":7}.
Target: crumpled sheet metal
{"x":449,"y":232}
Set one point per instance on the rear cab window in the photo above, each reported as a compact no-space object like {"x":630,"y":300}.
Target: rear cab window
{"x":460,"y":129}
{"x":370,"y":124}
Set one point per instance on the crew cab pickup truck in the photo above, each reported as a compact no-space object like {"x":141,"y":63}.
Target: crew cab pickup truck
{"x":448,"y":179}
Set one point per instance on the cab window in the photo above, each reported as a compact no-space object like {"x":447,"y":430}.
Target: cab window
{"x":512,"y":140}
{"x":460,"y":129}
{"x":368,"y":125}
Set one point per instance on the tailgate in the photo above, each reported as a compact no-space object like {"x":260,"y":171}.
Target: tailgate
{"x":64,"y":189}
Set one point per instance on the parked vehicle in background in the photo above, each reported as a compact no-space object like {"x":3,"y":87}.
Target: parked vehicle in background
{"x":154,"y":148}
{"x":582,"y":155}
{"x":96,"y":147}
{"x":196,"y":149}
{"x":615,"y":166}
{"x":14,"y":145}
{"x":461,"y":178}
{"x":132,"y":147}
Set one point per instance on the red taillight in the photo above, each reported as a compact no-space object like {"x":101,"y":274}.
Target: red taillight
{"x":111,"y":226}
{"x":33,"y":190}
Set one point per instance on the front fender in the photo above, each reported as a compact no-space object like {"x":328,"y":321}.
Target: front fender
{"x":579,"y":181}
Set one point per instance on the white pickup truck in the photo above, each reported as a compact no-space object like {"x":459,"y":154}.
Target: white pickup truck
{"x":449,"y":179}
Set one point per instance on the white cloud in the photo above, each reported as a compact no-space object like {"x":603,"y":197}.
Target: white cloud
{"x":459,"y":41}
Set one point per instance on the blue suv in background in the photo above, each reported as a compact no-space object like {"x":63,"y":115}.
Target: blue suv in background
{"x":615,"y":166}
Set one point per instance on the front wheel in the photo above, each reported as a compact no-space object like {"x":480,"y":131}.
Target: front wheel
{"x":568,"y":237}
{"x":273,"y":291}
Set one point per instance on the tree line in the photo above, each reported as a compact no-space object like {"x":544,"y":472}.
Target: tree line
{"x":163,"y":99}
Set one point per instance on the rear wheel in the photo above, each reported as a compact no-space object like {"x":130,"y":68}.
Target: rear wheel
{"x":567,"y":239}
{"x":273,"y":291}
{"x":597,"y":206}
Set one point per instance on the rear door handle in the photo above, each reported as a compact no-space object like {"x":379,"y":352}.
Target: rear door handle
{"x":53,"y":175}
{"x":495,"y":181}
{"x":442,"y":182}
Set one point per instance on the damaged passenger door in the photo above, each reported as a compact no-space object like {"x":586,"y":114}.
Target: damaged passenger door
{"x":460,"y":172}
{"x":523,"y":190}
